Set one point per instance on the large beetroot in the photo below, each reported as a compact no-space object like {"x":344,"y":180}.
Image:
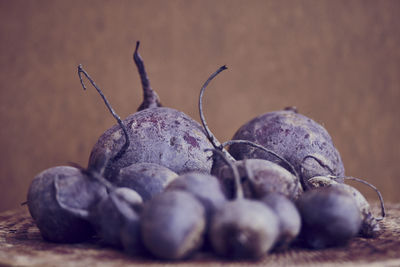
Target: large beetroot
{"x":258,"y":177}
{"x":154,"y":134}
{"x":298,"y":139}
{"x":164,"y":136}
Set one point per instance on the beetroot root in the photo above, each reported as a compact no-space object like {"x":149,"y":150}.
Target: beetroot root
{"x":147,"y":179}
{"x":295,"y":137}
{"x":60,"y":200}
{"x":163,"y":136}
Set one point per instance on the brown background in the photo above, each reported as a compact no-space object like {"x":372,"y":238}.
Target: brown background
{"x":337,"y":61}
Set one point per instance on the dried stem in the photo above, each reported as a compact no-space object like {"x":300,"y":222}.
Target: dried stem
{"x":121,"y":124}
{"x":383,"y":212}
{"x":216,"y":144}
{"x":235,"y":172}
{"x":150,"y":97}
{"x":291,"y":108}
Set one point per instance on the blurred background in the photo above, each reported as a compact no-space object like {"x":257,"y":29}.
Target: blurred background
{"x":338,"y":62}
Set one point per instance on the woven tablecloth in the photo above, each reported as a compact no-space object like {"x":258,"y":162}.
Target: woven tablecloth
{"x":22,"y":245}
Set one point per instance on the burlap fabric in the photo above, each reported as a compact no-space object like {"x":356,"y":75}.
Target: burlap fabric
{"x":22,"y":245}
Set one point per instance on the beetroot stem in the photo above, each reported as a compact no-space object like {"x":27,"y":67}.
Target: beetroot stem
{"x":121,"y":124}
{"x":216,"y":144}
{"x":383,"y":212}
{"x":236,"y":176}
{"x":150,"y":97}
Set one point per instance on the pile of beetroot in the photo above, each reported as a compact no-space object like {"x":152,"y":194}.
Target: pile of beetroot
{"x":158,"y":183}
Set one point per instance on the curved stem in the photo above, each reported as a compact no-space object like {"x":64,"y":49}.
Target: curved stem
{"x":250,"y":143}
{"x":383,"y":212}
{"x":150,"y":97}
{"x":216,"y":144}
{"x":121,"y":124}
{"x":235,"y":172}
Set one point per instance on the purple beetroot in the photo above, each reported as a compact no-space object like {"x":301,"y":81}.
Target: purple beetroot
{"x":242,"y":228}
{"x":288,"y":215}
{"x":147,"y":179}
{"x":119,"y":210}
{"x":266,"y":176}
{"x":60,"y":200}
{"x":154,"y":134}
{"x":260,"y":177}
{"x":370,"y":225}
{"x":173,"y":225}
{"x":330,"y":217}
{"x":204,"y":187}
{"x":298,"y":139}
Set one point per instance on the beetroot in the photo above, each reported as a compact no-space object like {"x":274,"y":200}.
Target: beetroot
{"x":154,"y":134}
{"x":205,"y":187}
{"x":60,"y":200}
{"x":267,"y":176}
{"x":370,"y":225}
{"x":147,"y":179}
{"x":159,"y":135}
{"x":173,"y":225}
{"x":242,"y":228}
{"x":288,"y":215}
{"x":295,"y":137}
{"x":330,"y":217}
{"x":111,"y":214}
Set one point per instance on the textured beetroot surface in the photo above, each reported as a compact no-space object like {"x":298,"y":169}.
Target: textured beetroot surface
{"x":158,"y":135}
{"x":294,"y":137}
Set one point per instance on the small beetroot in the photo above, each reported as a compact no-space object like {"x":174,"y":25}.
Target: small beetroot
{"x":288,"y":215}
{"x":330,"y":217}
{"x":173,"y":225}
{"x":243,"y":228}
{"x":266,"y":177}
{"x":370,"y":224}
{"x":60,"y":200}
{"x":110,"y":215}
{"x":205,"y":187}
{"x":147,"y":179}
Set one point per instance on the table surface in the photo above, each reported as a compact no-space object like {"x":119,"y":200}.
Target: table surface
{"x":22,"y":245}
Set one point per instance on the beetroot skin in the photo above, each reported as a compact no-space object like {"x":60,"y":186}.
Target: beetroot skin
{"x":295,"y":137}
{"x":161,"y":135}
{"x":268,"y":177}
{"x":147,"y":179}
